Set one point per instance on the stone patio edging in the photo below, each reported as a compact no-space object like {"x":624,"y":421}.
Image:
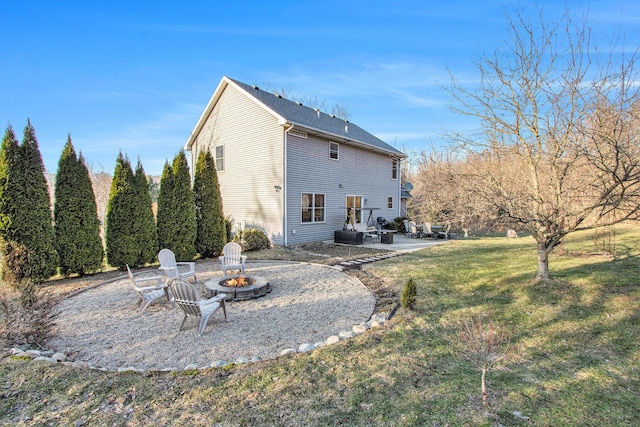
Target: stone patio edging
{"x":49,"y":356}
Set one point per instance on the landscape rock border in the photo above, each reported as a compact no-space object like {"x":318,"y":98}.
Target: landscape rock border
{"x":49,"y":356}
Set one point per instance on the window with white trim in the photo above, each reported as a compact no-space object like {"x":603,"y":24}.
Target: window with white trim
{"x":334,"y":150}
{"x":390,"y":202}
{"x":394,"y":168}
{"x":219,"y":157}
{"x":313,"y":208}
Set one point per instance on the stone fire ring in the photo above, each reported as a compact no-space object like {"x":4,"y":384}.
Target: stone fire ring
{"x":259,"y":287}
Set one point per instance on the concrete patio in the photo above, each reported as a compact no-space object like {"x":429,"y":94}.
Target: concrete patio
{"x":401,"y":244}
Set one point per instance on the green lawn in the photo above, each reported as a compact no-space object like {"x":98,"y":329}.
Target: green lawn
{"x":578,"y":364}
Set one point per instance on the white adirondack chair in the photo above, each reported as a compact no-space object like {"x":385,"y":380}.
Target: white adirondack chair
{"x":186,"y":297}
{"x":232,"y":258}
{"x":149,"y":294}
{"x":172,"y":269}
{"x":426,"y":230}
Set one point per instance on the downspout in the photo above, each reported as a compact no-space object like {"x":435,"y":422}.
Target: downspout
{"x":285,"y":224}
{"x":399,"y":187}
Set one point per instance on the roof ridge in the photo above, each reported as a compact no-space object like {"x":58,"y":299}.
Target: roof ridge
{"x":297,"y":113}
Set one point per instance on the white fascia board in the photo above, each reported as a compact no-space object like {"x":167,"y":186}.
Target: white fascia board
{"x":205,"y":114}
{"x":214,"y":100}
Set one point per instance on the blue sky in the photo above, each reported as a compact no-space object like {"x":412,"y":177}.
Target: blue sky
{"x":135,"y":76}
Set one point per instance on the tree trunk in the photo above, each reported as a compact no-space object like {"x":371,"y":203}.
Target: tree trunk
{"x":543,"y":262}
{"x":484,"y":386}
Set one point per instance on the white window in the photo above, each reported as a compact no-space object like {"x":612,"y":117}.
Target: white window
{"x":313,"y":207}
{"x":219,"y":157}
{"x":394,"y":168}
{"x":333,"y":150}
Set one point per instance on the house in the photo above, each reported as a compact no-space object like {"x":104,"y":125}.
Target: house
{"x":293,"y":170}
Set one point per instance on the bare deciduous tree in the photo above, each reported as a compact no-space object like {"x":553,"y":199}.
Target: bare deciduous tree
{"x":101,"y":182}
{"x":340,"y":110}
{"x":558,"y":147}
{"x":442,"y":192}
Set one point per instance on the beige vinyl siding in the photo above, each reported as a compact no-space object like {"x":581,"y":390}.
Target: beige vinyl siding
{"x":253,"y":161}
{"x":357,"y":172}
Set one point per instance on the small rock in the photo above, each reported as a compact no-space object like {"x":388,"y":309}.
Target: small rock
{"x":255,"y":359}
{"x":44,"y":359}
{"x":304,"y":348}
{"x":319,"y":344}
{"x":380,"y":318}
{"x":333,"y":339}
{"x":59,"y":357}
{"x":32,"y":353}
{"x":360,"y":329}
{"x":219,"y":364}
{"x":346,"y":334}
{"x":242,"y":360}
{"x":287,"y":351}
{"x":191,"y":367}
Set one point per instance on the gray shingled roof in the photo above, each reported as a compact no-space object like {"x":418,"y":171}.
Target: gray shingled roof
{"x":310,"y":118}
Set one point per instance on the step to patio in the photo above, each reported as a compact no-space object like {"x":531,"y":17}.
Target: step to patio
{"x":358,"y":262}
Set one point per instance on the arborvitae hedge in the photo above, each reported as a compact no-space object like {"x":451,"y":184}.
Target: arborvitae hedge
{"x":31,"y":248}
{"x":10,"y":183}
{"x":145,"y":224}
{"x":165,"y":216}
{"x":184,"y":241}
{"x":77,"y":228}
{"x":121,"y":240}
{"x":176,"y":210}
{"x":211,"y":234}
{"x":10,"y":190}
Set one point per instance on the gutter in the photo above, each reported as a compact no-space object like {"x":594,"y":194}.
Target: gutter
{"x":346,"y":139}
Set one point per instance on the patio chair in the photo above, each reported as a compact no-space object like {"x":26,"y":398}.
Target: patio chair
{"x":148,"y":295}
{"x":186,"y":297}
{"x":232,"y":258}
{"x":411,"y":228}
{"x":368,"y":232}
{"x":426,"y":230}
{"x":172,"y":269}
{"x":445,"y":233}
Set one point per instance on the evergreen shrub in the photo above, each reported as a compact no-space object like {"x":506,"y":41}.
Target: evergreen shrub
{"x":211,"y":234}
{"x":408,"y":296}
{"x":77,"y":228}
{"x":252,"y":239}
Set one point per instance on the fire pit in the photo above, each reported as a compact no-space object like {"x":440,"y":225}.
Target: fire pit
{"x":239,"y":287}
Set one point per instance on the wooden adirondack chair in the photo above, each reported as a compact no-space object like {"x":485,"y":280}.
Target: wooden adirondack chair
{"x":172,"y":269}
{"x":232,"y":258}
{"x":150,"y":294}
{"x":186,"y":297}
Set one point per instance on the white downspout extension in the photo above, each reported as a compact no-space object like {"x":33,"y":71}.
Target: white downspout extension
{"x":285,"y":224}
